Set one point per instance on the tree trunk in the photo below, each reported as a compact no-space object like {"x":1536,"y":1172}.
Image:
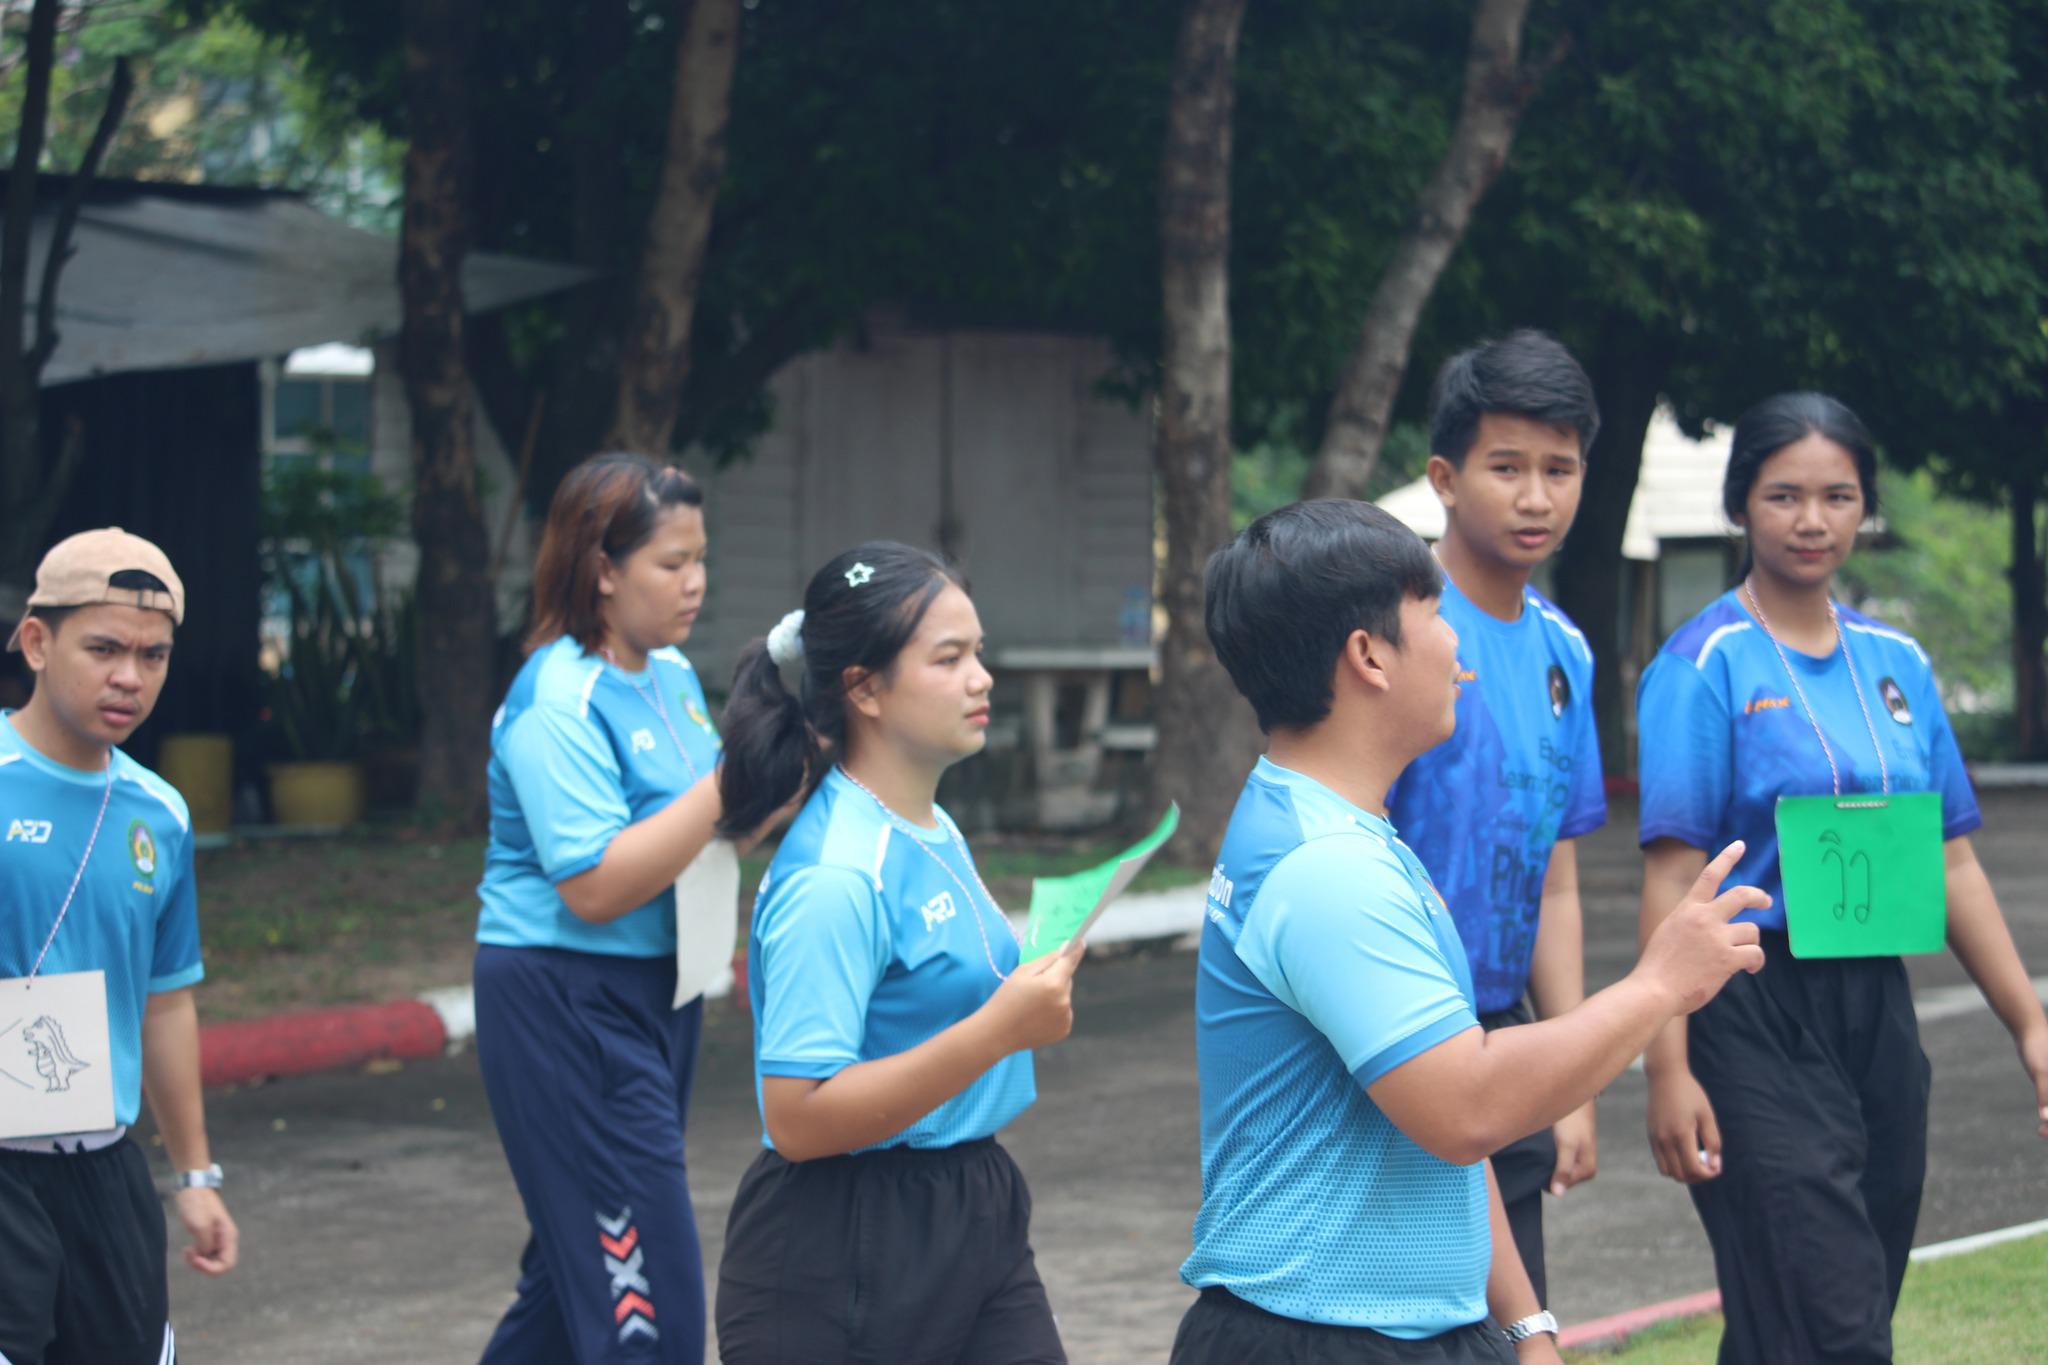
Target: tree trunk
{"x":2029,"y":576}
{"x":457,"y":606}
{"x":1496,"y":93}
{"x":23,"y":522}
{"x":1629,"y":376}
{"x":656,"y":363}
{"x":1206,"y":734}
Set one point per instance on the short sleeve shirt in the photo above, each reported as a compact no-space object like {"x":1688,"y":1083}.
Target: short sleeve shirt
{"x":869,"y":939}
{"x":1328,"y":960}
{"x":1521,"y":771}
{"x":580,"y":750}
{"x":1724,"y":735}
{"x":135,"y":913}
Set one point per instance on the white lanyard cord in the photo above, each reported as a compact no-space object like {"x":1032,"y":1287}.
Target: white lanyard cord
{"x":917,"y":838}
{"x":106,"y":795}
{"x":652,"y":696}
{"x":1855,"y":684}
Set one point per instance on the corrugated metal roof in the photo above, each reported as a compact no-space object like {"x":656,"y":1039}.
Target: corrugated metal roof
{"x":1678,"y":493}
{"x":171,"y":276}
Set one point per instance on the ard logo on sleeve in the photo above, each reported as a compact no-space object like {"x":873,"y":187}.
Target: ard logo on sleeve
{"x":28,"y":831}
{"x":937,"y":910}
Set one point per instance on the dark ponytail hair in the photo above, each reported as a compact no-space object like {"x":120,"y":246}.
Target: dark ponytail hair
{"x":860,"y":610}
{"x":1784,"y":420}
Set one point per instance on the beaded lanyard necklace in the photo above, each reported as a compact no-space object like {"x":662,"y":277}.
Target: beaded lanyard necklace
{"x":652,"y":696}
{"x":1855,"y":684}
{"x":106,"y":795}
{"x":917,"y":838}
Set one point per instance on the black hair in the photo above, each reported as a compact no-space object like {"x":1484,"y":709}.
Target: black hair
{"x":860,"y":610}
{"x":1786,"y":419}
{"x":129,"y":580}
{"x":1527,"y":373}
{"x":1286,"y":593}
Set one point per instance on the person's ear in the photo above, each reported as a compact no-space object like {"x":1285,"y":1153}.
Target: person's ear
{"x":607,"y":574}
{"x":1362,"y":662}
{"x":36,"y":638}
{"x":863,"y":689}
{"x":1443,"y":480}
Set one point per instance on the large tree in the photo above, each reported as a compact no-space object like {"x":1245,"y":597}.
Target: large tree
{"x":1202,"y":724}
{"x":457,"y":606}
{"x":31,"y":482}
{"x":1497,"y":91}
{"x":656,"y":363}
{"x":1712,"y":211}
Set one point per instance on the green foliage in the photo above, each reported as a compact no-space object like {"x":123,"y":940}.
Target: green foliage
{"x":1937,"y":582}
{"x":215,"y":101}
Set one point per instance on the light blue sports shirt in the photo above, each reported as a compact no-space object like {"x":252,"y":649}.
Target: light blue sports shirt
{"x":135,"y":915}
{"x":579,"y":751}
{"x":1327,"y":961}
{"x":868,"y":939}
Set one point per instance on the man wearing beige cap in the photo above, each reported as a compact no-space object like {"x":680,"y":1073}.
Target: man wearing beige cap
{"x":99,"y":951}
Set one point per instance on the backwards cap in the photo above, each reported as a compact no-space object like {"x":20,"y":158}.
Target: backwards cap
{"x":79,"y":571}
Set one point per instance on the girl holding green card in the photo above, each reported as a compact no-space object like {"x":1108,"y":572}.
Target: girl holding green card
{"x":893,"y":1021}
{"x":1794,"y":1105}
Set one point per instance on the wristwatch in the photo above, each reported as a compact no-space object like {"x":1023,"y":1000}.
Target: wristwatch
{"x":1545,"y":1321}
{"x":209,"y":1179}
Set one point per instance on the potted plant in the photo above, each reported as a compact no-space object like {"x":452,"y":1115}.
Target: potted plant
{"x":324,"y":526}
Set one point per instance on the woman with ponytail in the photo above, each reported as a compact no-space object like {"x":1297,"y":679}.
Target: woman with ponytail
{"x":892,"y":1022}
{"x":603,"y":789}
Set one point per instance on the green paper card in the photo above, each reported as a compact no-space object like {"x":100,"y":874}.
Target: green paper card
{"x":1864,"y":874}
{"x":1065,"y":908}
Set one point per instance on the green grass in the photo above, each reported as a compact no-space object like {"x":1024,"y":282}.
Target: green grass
{"x":300,"y":923}
{"x":1981,"y":1307}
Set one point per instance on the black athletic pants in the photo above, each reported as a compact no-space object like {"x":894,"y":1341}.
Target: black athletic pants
{"x":896,"y":1257}
{"x":1524,"y":1168}
{"x":1222,"y":1329}
{"x":82,"y":1259}
{"x":1820,"y":1088}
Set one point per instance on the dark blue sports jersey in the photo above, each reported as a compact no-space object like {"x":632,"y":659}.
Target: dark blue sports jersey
{"x":1724,"y":735}
{"x":1522,"y":771}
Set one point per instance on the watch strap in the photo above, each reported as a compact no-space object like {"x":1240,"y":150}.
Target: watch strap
{"x":1524,"y":1328}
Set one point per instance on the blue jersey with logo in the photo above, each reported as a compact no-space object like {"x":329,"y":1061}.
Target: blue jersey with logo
{"x":1522,"y":771}
{"x":1327,"y":961}
{"x":135,"y":915}
{"x":580,"y":750}
{"x":1724,"y":735}
{"x":868,"y":939}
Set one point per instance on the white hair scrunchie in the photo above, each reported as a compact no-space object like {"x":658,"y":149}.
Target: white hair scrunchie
{"x":786,"y":641}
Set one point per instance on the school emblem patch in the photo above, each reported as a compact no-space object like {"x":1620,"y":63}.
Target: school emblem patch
{"x":141,"y":849}
{"x":1560,"y":690}
{"x":1895,"y":700}
{"x":696,"y":713}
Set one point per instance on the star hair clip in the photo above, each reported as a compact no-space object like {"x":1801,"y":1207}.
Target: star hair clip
{"x":859,"y":575}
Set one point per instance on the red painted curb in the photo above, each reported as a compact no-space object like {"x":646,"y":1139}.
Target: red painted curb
{"x":1615,"y":1330}
{"x":317,"y":1040}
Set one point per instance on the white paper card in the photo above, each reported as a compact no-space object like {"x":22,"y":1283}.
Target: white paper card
{"x":56,"y":1064}
{"x":707,"y":919}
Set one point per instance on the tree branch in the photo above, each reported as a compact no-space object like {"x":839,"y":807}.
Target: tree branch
{"x":21,"y":189}
{"x":67,"y":216}
{"x":1497,"y":92}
